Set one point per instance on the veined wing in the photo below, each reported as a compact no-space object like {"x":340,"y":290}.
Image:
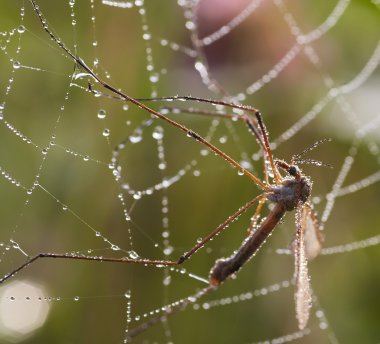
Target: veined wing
{"x":313,"y":235}
{"x":301,"y":275}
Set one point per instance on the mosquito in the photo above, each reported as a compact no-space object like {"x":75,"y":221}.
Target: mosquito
{"x":287,"y":193}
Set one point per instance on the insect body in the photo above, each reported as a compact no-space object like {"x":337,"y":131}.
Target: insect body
{"x":292,"y":193}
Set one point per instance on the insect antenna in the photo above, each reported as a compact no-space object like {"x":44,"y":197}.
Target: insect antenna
{"x":296,"y":157}
{"x":311,"y":162}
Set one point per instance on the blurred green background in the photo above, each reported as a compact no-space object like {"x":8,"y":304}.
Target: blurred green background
{"x":41,"y":105}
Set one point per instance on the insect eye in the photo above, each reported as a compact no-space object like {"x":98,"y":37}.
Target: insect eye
{"x":293,"y":170}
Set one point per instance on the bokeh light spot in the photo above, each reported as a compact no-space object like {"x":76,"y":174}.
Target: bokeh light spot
{"x":23,"y":309}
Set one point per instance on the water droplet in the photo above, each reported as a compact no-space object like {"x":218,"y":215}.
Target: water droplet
{"x":137,"y":195}
{"x":115,"y":247}
{"x":83,"y":75}
{"x":154,"y":77}
{"x":147,"y":36}
{"x":125,"y":107}
{"x":128,"y":294}
{"x":106,"y":132}
{"x":223,"y":139}
{"x":21,"y":29}
{"x":190,"y":25}
{"x":134,"y":138}
{"x":167,"y":280}
{"x":158,"y":133}
{"x":16,"y":64}
{"x":246,"y":164}
{"x":240,"y":172}
{"x":168,"y":250}
{"x":76,"y":298}
{"x":64,"y":207}
{"x":255,"y":156}
{"x":102,"y":114}
{"x":133,"y":255}
{"x":15,"y":245}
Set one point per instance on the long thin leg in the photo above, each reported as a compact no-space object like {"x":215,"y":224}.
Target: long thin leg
{"x":219,"y":228}
{"x":264,"y":133}
{"x":155,"y":262}
{"x":256,"y":216}
{"x":169,"y":98}
{"x":117,"y":92}
{"x":174,"y":98}
{"x":83,"y":257}
{"x":247,"y":119}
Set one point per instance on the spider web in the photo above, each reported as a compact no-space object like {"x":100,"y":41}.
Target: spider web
{"x":86,"y":174}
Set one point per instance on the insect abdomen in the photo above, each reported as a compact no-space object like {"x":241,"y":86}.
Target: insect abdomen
{"x":226,"y":267}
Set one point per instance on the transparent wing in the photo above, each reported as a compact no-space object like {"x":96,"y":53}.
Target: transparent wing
{"x":313,"y":235}
{"x":301,"y":275}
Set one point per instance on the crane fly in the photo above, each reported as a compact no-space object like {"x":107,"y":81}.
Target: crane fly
{"x":287,"y":193}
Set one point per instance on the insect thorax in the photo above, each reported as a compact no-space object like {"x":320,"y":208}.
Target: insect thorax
{"x":291,"y":192}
